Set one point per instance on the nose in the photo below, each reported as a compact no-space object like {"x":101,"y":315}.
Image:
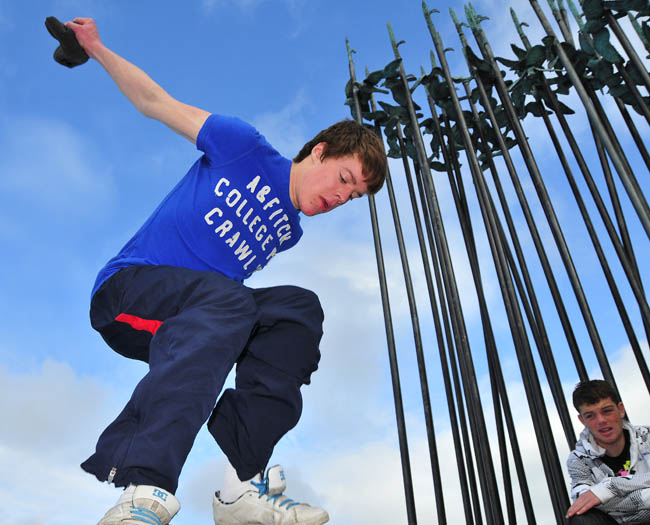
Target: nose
{"x":344,"y":195}
{"x":600,"y":419}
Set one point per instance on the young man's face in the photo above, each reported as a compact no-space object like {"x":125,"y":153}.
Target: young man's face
{"x":604,"y":420}
{"x":329,"y":183}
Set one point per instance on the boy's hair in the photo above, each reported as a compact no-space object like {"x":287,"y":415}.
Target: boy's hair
{"x":590,"y":392}
{"x":351,"y":138}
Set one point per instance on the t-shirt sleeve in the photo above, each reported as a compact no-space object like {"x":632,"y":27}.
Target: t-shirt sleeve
{"x":223,"y":139}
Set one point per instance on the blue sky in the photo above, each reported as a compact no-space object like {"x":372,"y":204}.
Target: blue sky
{"x":80,"y":170}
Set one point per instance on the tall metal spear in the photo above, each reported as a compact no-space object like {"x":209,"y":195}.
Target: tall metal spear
{"x":424,"y":382}
{"x":451,"y":333}
{"x":499,"y":394}
{"x":564,"y":15}
{"x":639,"y":31}
{"x":608,"y":129}
{"x":555,"y":292}
{"x":481,"y":444}
{"x":542,"y":193}
{"x":636,"y":197}
{"x":629,"y":48}
{"x":631,"y":85}
{"x":549,"y":457}
{"x":438,"y":327}
{"x":535,"y":319}
{"x":390,"y":336}
{"x":562,"y":21}
{"x":439,"y":334}
{"x":451,"y":338}
{"x":533,"y":390}
{"x":631,"y":272}
{"x":458,"y":192}
{"x":620,"y":68}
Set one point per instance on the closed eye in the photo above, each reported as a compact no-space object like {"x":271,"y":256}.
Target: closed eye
{"x":354,"y":196}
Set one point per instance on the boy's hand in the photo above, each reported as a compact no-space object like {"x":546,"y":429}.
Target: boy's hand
{"x":585,"y":501}
{"x":69,"y":53}
{"x":87,"y":34}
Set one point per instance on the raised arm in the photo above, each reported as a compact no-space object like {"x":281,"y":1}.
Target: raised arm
{"x":145,"y":94}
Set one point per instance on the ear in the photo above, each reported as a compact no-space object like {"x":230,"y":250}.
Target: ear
{"x":318,"y":150}
{"x":581,"y":420}
{"x":621,"y":410}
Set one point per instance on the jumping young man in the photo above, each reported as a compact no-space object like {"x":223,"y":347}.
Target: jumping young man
{"x":610,"y":467}
{"x":173,"y":297}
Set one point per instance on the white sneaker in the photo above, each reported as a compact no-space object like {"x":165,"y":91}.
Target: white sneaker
{"x":264,"y":504}
{"x":142,"y":504}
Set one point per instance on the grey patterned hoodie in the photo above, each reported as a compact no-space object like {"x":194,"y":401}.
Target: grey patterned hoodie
{"x":625,"y":498}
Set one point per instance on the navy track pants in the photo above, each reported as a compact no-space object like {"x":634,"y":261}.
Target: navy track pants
{"x":192,"y":328}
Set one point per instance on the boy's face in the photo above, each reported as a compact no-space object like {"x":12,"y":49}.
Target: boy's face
{"x":329,"y":183}
{"x":604,"y":420}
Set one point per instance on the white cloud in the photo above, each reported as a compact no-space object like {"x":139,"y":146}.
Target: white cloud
{"x":372,"y":474}
{"x":343,"y":455}
{"x":343,"y":274}
{"x":51,"y":418}
{"x":629,"y":381}
{"x":50,"y":401}
{"x":50,"y":167}
{"x":285,"y":128}
{"x":36,"y":490}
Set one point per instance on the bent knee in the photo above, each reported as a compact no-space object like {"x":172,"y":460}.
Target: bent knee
{"x":242,"y":301}
{"x":592,"y":517}
{"x":303,"y":299}
{"x":290,"y":303}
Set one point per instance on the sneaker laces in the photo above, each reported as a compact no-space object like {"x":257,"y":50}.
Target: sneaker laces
{"x":263,"y":488}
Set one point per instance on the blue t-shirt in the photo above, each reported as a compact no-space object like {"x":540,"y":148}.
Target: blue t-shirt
{"x":231,"y":213}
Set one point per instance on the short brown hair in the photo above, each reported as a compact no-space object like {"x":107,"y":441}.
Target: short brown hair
{"x":590,"y":392}
{"x":351,"y":138}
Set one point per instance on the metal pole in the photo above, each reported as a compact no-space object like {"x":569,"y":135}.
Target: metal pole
{"x":609,"y":277}
{"x":629,"y":49}
{"x":642,"y":106}
{"x":561,"y":22}
{"x":493,"y":359}
{"x":438,"y":327}
{"x":634,"y":132}
{"x":564,"y":318}
{"x":631,"y":272}
{"x":424,"y":383}
{"x":544,"y":198}
{"x":541,"y":425}
{"x":452,"y":335}
{"x":638,"y":201}
{"x":392,"y":354}
{"x":544,"y":348}
{"x":565,"y":16}
{"x":639,"y":31}
{"x":481,"y":443}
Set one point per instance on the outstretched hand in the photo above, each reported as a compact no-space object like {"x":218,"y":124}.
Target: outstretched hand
{"x":87,"y":34}
{"x":69,"y":53}
{"x":586,"y":500}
